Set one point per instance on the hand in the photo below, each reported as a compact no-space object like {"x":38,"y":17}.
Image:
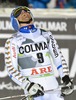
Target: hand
{"x":68,"y":87}
{"x":34,"y":89}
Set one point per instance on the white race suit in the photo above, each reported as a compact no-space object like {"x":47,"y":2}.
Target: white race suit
{"x":28,"y":54}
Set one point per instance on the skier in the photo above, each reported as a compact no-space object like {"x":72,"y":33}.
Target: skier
{"x":28,"y":55}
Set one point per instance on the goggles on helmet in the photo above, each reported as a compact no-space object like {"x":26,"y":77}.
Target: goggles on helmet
{"x":17,"y":11}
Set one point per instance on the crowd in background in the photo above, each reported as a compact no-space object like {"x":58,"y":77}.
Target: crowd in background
{"x":39,"y":3}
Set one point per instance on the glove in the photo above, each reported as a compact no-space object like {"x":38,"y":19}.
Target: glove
{"x":34,"y":89}
{"x":68,"y":87}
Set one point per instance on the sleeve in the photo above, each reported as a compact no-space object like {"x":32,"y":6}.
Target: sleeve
{"x":57,"y":56}
{"x":11,"y":62}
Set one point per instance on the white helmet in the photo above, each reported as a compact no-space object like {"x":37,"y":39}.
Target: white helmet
{"x":15,"y":13}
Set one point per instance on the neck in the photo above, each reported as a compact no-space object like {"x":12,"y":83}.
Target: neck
{"x":24,"y":24}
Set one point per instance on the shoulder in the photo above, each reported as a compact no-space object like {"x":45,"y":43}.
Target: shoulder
{"x":45,"y":33}
{"x":12,"y":38}
{"x":43,"y":30}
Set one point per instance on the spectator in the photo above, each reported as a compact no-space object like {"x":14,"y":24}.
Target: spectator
{"x":62,"y":4}
{"x":52,"y":4}
{"x":13,"y":3}
{"x":7,"y":3}
{"x":3,"y":1}
{"x":72,"y":3}
{"x":21,"y":2}
{"x":38,"y":3}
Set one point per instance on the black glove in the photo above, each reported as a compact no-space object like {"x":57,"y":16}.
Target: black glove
{"x":68,"y":87}
{"x":32,"y":89}
{"x":35,"y":90}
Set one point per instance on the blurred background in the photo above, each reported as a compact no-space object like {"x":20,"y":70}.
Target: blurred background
{"x":57,"y":16}
{"x":39,"y":3}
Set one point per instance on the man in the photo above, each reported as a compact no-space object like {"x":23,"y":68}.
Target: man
{"x":38,"y":3}
{"x":62,"y":4}
{"x":21,"y":2}
{"x":28,"y":56}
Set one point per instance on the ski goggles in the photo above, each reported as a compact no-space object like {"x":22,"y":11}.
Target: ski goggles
{"x":17,"y":11}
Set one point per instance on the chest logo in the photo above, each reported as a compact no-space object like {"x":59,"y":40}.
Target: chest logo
{"x":33,"y":47}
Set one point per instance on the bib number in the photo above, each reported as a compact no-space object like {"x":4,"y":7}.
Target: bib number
{"x":40,"y":57}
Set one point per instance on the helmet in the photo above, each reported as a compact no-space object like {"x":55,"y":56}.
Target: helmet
{"x":15,"y":13}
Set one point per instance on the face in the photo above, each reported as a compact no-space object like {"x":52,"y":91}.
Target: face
{"x":24,"y":16}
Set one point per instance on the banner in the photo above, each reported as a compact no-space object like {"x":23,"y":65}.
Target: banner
{"x":64,"y":31}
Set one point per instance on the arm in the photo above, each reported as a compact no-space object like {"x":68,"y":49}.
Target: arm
{"x":13,"y":72}
{"x":57,"y":56}
{"x":61,"y":65}
{"x":11,"y":62}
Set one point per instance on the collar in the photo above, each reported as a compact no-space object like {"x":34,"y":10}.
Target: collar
{"x":28,"y":29}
